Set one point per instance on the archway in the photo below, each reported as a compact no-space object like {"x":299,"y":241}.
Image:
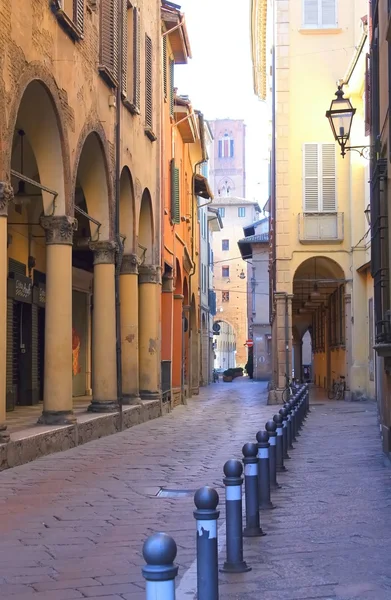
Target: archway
{"x":186,"y":339}
{"x":225,"y":346}
{"x":178,"y":337}
{"x":145,"y":229}
{"x":319,"y":303}
{"x":39,"y":279}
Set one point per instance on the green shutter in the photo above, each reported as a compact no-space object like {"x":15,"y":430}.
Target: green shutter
{"x":165,"y":67}
{"x":172,"y":87}
{"x":78,"y":12}
{"x":175,"y":197}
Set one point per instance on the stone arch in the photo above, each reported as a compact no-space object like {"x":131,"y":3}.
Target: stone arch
{"x":178,"y":278}
{"x":146,"y":228}
{"x":127,"y":211}
{"x":185,"y":292}
{"x":36,"y":113}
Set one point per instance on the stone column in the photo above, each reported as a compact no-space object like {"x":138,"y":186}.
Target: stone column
{"x":57,"y":390}
{"x":282,"y":338}
{"x":104,"y":358}
{"x":129,"y":328}
{"x":149,"y":332}
{"x":6,"y":194}
{"x":348,"y":344}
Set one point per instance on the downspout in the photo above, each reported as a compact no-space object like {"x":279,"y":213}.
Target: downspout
{"x":287,"y":336}
{"x":120,"y":244}
{"x":273,"y":174}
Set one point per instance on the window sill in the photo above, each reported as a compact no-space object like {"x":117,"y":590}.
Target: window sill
{"x":107,"y":76}
{"x":66,"y":22}
{"x":311,"y":30}
{"x":150,"y":135}
{"x":131,"y":107}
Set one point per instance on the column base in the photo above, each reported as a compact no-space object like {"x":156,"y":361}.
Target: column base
{"x":4,"y":435}
{"x":131,"y":399}
{"x":253,"y":532}
{"x":103,"y":407}
{"x":57,"y":417}
{"x":145,"y":395}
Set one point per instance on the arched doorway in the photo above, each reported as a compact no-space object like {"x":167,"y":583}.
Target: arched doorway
{"x":38,"y":262}
{"x":186,"y":340}
{"x":177,"y":336}
{"x":225,"y":346}
{"x":319,"y":305}
{"x":195,"y":348}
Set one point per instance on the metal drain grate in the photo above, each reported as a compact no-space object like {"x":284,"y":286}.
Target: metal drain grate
{"x":166,"y":493}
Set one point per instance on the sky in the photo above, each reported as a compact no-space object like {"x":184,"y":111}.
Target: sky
{"x":218,"y":79}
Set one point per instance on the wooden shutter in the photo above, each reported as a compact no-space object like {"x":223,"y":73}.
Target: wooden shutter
{"x":148,"y":82}
{"x":78,"y":14}
{"x":164,"y":58}
{"x":367,"y":118}
{"x":311,"y":12}
{"x":328,"y":12}
{"x":136,"y":58}
{"x":175,"y":196}
{"x":328,"y":178}
{"x":172,"y":66}
{"x":124,"y":66}
{"x":109,"y":38}
{"x":311,"y":178}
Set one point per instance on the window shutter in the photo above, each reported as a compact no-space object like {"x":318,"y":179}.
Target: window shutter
{"x":148,"y":81}
{"x":311,"y":178}
{"x":328,"y":178}
{"x":175,"y":198}
{"x":115,"y":42}
{"x":124,"y":65}
{"x":136,"y":58}
{"x":78,"y":11}
{"x":311,"y":12}
{"x":172,"y":87}
{"x":231,"y":148}
{"x":109,"y":38}
{"x":367,"y":95}
{"x":328,"y":8}
{"x":165,"y":87}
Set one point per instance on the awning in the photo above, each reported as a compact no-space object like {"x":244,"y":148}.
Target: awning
{"x":202,"y":188}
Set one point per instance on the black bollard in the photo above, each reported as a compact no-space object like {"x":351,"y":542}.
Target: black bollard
{"x":271,"y":428}
{"x":251,"y":493}
{"x":264,"y":471}
{"x":288,"y":408}
{"x":297,"y":416}
{"x":159,"y":552}
{"x":284,"y":414}
{"x":293,"y":417}
{"x":206,"y":500}
{"x":233,"y":514}
{"x":279,"y":445}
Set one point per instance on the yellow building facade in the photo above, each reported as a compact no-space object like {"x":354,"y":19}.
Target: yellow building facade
{"x":80,"y":269}
{"x":320,"y":250}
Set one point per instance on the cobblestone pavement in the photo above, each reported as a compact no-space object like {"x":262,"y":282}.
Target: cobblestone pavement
{"x":72,"y":524}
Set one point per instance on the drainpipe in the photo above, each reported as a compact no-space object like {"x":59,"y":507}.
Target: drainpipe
{"x":273,"y":177}
{"x":287,"y":336}
{"x":118,"y":240}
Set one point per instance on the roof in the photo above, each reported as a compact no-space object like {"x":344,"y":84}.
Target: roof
{"x":202,"y":188}
{"x":245,"y":244}
{"x":185,"y":119}
{"x":235,"y":201}
{"x":174,"y":20}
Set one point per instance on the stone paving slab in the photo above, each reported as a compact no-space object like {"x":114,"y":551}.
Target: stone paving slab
{"x":72,"y":524}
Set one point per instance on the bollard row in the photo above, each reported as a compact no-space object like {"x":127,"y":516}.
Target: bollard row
{"x":262,"y":462}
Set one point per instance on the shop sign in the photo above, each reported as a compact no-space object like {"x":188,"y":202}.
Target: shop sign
{"x":42,"y":294}
{"x":20,"y":288}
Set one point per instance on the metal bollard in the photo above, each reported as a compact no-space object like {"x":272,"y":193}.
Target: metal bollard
{"x":271,"y":428}
{"x":279,"y":447}
{"x":293,"y":417}
{"x":251,"y":493}
{"x":284,"y":414}
{"x":264,"y":471}
{"x":233,"y":514}
{"x":289,"y":424}
{"x":297,"y":414}
{"x":206,"y":500}
{"x":159,"y":553}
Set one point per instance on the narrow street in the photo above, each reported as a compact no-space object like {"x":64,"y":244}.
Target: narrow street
{"x":73,"y":524}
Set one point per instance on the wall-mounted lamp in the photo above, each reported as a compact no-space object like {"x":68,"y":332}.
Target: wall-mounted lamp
{"x":367,"y":213}
{"x":340,"y":116}
{"x":242,"y":275}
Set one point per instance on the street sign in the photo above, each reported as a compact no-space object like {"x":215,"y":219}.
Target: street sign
{"x":250,"y":343}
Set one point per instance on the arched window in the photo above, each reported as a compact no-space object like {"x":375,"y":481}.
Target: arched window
{"x":226,"y":146}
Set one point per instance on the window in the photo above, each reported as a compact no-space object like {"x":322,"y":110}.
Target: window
{"x":226,"y":147}
{"x":108,"y":67}
{"x":320,"y":13}
{"x":225,"y":271}
{"x":149,"y":89}
{"x":225,"y":245}
{"x":319,"y":178}
{"x":175,"y":193}
{"x":164,"y":59}
{"x":70,"y":15}
{"x":221,"y":211}
{"x":241,"y":211}
{"x":225,"y":296}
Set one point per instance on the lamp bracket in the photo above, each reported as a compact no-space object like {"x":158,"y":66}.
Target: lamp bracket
{"x":367,"y":152}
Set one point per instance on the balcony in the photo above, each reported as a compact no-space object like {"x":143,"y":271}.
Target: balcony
{"x":316,"y":228}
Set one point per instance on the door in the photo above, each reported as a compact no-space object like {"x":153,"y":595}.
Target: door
{"x":79,"y":342}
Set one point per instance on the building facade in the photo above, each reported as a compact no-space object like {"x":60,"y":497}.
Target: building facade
{"x":228,"y":159}
{"x":320,"y":250}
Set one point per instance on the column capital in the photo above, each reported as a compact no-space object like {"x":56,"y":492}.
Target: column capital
{"x":6,"y":195}
{"x":168,"y":284}
{"x":59,"y":229}
{"x":104,"y":252}
{"x":130,"y":264}
{"x":149,"y":274}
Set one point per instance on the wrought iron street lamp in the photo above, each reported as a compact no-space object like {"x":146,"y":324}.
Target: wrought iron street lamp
{"x":340,"y":116}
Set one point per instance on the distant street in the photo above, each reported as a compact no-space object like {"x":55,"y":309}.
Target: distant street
{"x":72,"y":525}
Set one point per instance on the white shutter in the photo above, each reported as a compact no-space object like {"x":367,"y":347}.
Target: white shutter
{"x":329,"y":203}
{"x":328,"y":13}
{"x":311,"y":178}
{"x":311,"y":12}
